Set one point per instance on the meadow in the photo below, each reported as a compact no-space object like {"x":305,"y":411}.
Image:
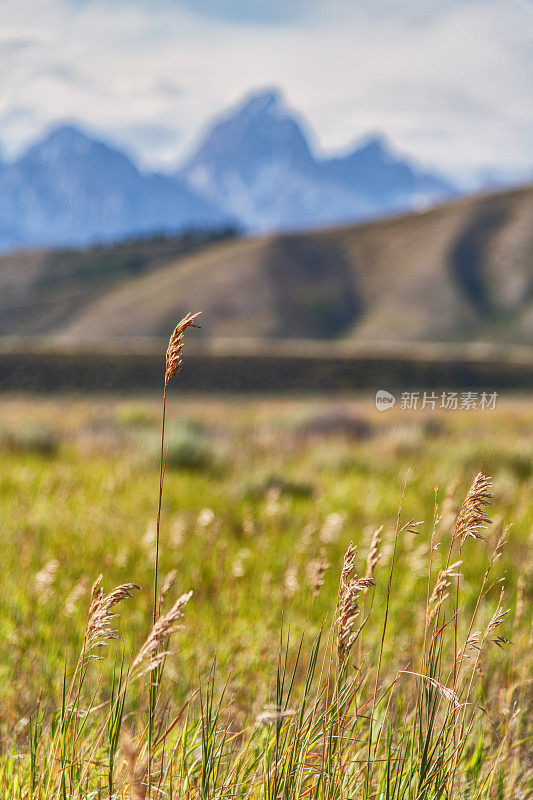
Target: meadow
{"x":281,"y":682}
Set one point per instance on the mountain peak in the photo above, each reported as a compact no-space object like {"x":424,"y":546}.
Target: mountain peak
{"x":263,"y":101}
{"x":254,"y":145}
{"x":374,"y":143}
{"x":69,"y":188}
{"x":253,"y":165}
{"x":255,"y":161}
{"x":67,"y":147}
{"x":59,"y":142}
{"x":65,"y":134}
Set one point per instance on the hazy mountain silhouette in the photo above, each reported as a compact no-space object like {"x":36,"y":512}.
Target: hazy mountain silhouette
{"x":253,"y":167}
{"x":69,"y":189}
{"x":256,"y":162}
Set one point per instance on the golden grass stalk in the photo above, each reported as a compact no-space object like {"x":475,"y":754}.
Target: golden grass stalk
{"x":78,"y":591}
{"x":445,"y":691}
{"x":472,"y":645}
{"x":373,"y":554}
{"x":99,"y":629}
{"x":499,"y":616}
{"x":172,"y":367}
{"x":175,"y":346}
{"x":471,"y":520}
{"x":348,"y":565}
{"x":151,"y":651}
{"x":168,"y":583}
{"x":317,"y":569}
{"x":439,"y":593}
{"x":347,"y":615}
{"x":372,"y":559}
{"x":472,"y":517}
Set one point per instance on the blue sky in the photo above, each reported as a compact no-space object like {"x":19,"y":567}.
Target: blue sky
{"x":446,"y":80}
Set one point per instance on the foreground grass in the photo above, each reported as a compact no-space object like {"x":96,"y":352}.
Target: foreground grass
{"x":259,"y":497}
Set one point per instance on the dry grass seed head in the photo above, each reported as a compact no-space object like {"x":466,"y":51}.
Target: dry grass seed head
{"x":78,"y":591}
{"x":472,"y":516}
{"x":439,"y":593}
{"x":445,"y":691}
{"x":99,"y":629}
{"x":348,"y":565}
{"x":291,"y":583}
{"x":373,"y":553}
{"x":348,"y":613}
{"x":315,"y":570}
{"x":164,"y":628}
{"x":46,"y":576}
{"x":167,"y":585}
{"x":412,"y":527}
{"x":496,"y":620}
{"x":272,"y":714}
{"x":175,"y":346}
{"x":471,"y":645}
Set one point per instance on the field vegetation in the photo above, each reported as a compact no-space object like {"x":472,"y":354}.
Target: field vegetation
{"x":357,"y":628}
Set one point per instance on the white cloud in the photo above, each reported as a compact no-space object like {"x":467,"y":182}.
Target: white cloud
{"x":447,"y":81}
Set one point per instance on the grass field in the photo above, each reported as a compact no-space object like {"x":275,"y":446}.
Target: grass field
{"x":261,"y":495}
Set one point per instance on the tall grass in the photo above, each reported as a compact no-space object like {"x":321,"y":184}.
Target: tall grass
{"x":172,"y":367}
{"x":345,"y":718}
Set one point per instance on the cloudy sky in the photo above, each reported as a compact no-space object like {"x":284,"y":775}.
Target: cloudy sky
{"x":447,"y":80}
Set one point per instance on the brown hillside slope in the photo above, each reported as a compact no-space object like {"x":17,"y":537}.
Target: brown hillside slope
{"x":458,"y":273}
{"x":41,"y":291}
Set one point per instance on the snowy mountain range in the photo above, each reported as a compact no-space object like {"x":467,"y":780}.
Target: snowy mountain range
{"x":254,"y":167}
{"x":256,"y":162}
{"x":70,"y":190}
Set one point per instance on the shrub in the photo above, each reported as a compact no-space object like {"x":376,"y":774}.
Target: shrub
{"x":36,"y":439}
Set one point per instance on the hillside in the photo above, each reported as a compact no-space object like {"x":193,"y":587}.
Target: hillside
{"x":462,"y":272}
{"x":43,"y":290}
